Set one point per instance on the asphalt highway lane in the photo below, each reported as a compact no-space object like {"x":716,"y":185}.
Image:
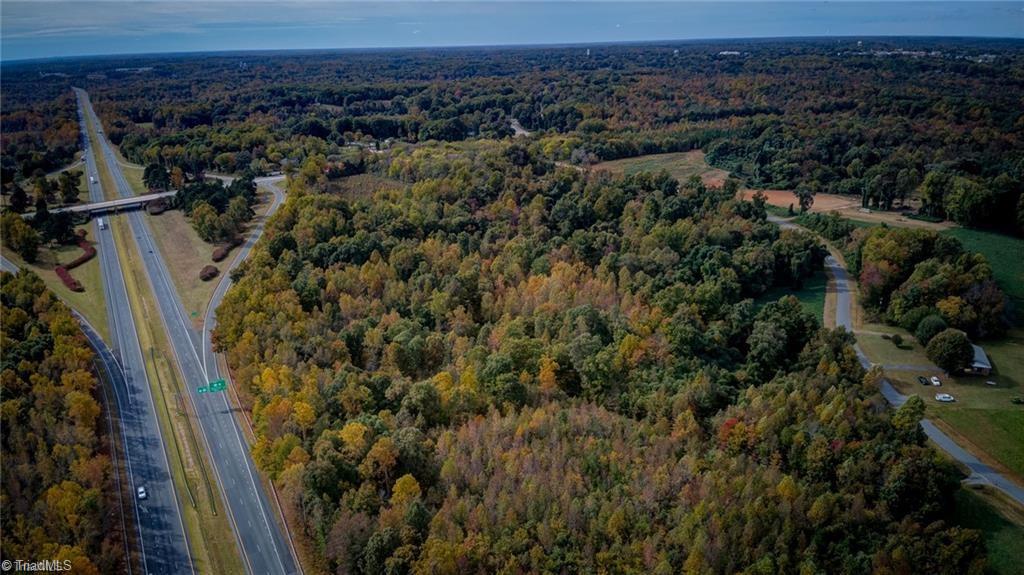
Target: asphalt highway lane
{"x":163,"y":544}
{"x":263,"y":545}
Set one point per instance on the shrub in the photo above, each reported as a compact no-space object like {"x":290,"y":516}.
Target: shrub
{"x":156,"y":207}
{"x":897,"y":339}
{"x":910,"y":320}
{"x":208,"y":273}
{"x":220,"y":252}
{"x":90,"y":252}
{"x":951,"y":350}
{"x":71,"y":283}
{"x":928,"y":328}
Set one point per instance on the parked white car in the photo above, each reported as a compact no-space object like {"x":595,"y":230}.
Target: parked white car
{"x":142,"y":492}
{"x":944,"y":398}
{"x":935,"y":381}
{"x":990,"y":382}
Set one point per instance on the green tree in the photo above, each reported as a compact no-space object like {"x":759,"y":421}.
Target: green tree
{"x":205,"y":221}
{"x":20,"y":237}
{"x":68,"y":183}
{"x":928,"y":328}
{"x":19,"y":199}
{"x":969,"y":203}
{"x":933,"y":192}
{"x":156,"y":177}
{"x":950,"y":350}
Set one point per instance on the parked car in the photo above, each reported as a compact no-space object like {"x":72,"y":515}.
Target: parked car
{"x":142,"y":492}
{"x":922,"y":380}
{"x":935,"y":381}
{"x":990,"y":382}
{"x":944,"y":398}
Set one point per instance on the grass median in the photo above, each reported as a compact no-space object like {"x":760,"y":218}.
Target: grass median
{"x":213,"y":545}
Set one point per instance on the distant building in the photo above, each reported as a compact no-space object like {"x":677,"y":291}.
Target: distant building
{"x":980,"y":365}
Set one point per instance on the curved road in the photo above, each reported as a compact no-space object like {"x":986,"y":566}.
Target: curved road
{"x":263,"y":546}
{"x":163,"y":547}
{"x":979,"y":472}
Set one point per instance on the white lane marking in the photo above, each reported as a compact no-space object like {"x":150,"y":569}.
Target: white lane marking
{"x":138,"y":350}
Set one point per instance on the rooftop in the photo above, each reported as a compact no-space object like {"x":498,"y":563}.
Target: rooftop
{"x":980,"y":359}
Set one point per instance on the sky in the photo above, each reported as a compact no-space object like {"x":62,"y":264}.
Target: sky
{"x":42,"y":28}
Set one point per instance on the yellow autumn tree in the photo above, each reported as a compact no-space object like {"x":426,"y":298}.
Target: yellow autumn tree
{"x":547,"y":377}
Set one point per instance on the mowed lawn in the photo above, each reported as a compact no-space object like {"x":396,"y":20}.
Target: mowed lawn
{"x":680,"y":165}
{"x":1004,"y":536}
{"x":884,"y":352}
{"x":1004,"y":254}
{"x":811,"y":295}
{"x":185,"y":253}
{"x":90,"y":303}
{"x":983,"y":415}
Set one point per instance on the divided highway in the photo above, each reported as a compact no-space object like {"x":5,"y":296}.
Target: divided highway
{"x":263,"y":545}
{"x":162,"y":539}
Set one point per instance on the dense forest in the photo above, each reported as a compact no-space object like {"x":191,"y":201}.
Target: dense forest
{"x":57,"y":481}
{"x":464,"y":353}
{"x":880,"y":119}
{"x":907,"y":275}
{"x":496,"y":364}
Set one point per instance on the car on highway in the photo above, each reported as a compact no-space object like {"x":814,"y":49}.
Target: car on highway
{"x":944,"y":398}
{"x":935,"y":381}
{"x":922,"y":380}
{"x":142,"y":492}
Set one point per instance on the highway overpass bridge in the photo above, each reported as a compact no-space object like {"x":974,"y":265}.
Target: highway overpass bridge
{"x":120,"y":204}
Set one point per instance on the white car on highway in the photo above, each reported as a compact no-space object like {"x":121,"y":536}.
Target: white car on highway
{"x":142,"y":492}
{"x":944,"y":398}
{"x":935,"y":381}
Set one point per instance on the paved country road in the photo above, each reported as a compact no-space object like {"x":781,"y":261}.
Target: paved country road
{"x":163,"y":543}
{"x":979,"y":472}
{"x":263,"y":547}
{"x":7,"y":265}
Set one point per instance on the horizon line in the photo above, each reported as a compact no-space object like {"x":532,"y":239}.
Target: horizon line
{"x":100,"y":56}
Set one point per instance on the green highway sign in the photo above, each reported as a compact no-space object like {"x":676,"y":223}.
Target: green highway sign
{"x":203,"y":389}
{"x":218,"y":385}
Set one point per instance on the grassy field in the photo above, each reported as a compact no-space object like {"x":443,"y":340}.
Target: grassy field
{"x":680,"y":165}
{"x":983,"y":416}
{"x":885,"y":352}
{"x":363,"y":185}
{"x":185,"y":253}
{"x":1003,"y":532}
{"x":1004,"y":255}
{"x":90,"y":303}
{"x":811,"y":296}
{"x":214,"y":548}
